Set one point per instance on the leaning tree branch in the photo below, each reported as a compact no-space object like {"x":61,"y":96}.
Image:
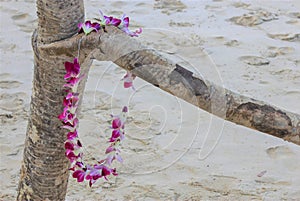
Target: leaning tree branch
{"x":150,"y":65}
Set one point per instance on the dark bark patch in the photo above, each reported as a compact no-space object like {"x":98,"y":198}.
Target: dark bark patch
{"x":197,"y":86}
{"x":263,"y":118}
{"x":136,"y":65}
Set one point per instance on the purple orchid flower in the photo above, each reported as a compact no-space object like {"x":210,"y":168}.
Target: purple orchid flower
{"x":72,"y":69}
{"x":113,"y":152}
{"x":119,"y":120}
{"x":69,"y":146}
{"x":72,"y":135}
{"x":71,"y":126}
{"x":80,"y":165}
{"x":128,"y":80}
{"x":94,"y":174}
{"x":77,"y":164}
{"x":106,"y":171}
{"x":125,"y":27}
{"x":111,"y":157}
{"x":72,"y":75}
{"x":73,"y":150}
{"x":79,"y":175}
{"x":125,"y":109}
{"x":98,"y":171}
{"x":110,"y":149}
{"x":73,"y":82}
{"x":116,"y":134}
{"x":122,"y":24}
{"x":109,"y":20}
{"x":71,"y":100}
{"x":71,"y":156}
{"x":87,"y":27}
{"x":67,"y":117}
{"x":116,"y":123}
{"x":64,"y":114}
{"x":112,"y":21}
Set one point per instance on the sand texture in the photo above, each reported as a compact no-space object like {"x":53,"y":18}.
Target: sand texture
{"x":173,"y":151}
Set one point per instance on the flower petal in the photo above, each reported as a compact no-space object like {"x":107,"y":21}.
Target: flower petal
{"x":116,"y":123}
{"x":119,"y":158}
{"x":115,"y":22}
{"x":72,"y":135}
{"x":125,"y":21}
{"x":69,"y":145}
{"x":79,"y":174}
{"x":109,"y":149}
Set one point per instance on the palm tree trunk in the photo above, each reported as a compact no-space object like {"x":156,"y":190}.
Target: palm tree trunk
{"x":44,"y":170}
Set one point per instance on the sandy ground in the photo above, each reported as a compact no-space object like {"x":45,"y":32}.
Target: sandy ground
{"x":173,"y":150}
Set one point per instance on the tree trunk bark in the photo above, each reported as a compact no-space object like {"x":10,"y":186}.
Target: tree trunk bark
{"x":44,"y":170}
{"x":173,"y":78}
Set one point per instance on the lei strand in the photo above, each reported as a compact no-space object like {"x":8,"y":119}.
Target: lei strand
{"x":73,"y":146}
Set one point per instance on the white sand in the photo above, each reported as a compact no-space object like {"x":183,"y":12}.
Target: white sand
{"x":173,"y":151}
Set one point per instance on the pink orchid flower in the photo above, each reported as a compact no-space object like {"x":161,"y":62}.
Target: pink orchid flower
{"x":106,"y":171}
{"x":112,"y":21}
{"x":79,"y":175}
{"x":109,"y":20}
{"x":70,"y":146}
{"x":122,"y":24}
{"x":73,"y":82}
{"x":72,"y":75}
{"x":94,"y":174}
{"x":72,"y":156}
{"x":73,"y":151}
{"x":113,"y":152}
{"x":77,"y":164}
{"x":67,"y":117}
{"x":116,"y":134}
{"x":71,"y":126}
{"x":125,"y":27}
{"x":72,"y":69}
{"x":128,"y":80}
{"x":72,"y":135}
{"x":71,"y":100}
{"x":118,"y":125}
{"x":98,"y":171}
{"x":111,"y":157}
{"x":87,"y":27}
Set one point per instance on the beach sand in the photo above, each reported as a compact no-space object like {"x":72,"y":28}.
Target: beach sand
{"x":173,"y":151}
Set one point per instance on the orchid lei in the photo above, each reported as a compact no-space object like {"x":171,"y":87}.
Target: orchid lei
{"x":73,"y":146}
{"x":123,"y":24}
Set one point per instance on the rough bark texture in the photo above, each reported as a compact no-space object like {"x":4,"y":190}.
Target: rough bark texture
{"x":58,"y":19}
{"x":44,"y":171}
{"x":171,"y":77}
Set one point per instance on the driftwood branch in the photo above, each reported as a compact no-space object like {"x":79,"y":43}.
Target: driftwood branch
{"x":175,"y":79}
